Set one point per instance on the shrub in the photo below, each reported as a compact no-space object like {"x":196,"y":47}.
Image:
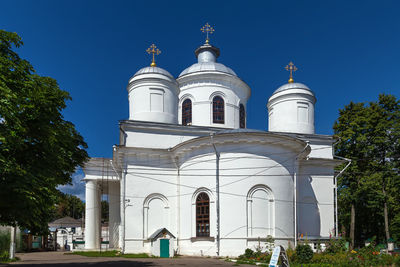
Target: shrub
{"x":248,"y":253}
{"x":4,"y":256}
{"x":336,"y":246}
{"x":4,"y":241}
{"x":304,"y":253}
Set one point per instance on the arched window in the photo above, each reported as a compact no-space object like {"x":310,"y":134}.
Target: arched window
{"x":202,"y":215}
{"x":187,"y":112}
{"x":218,"y":110}
{"x":242,"y":116}
{"x":260,"y":211}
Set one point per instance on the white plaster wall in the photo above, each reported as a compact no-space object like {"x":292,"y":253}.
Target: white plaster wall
{"x":284,"y":115}
{"x":155,"y":140}
{"x":321,"y":150}
{"x":202,"y":88}
{"x":148,"y":188}
{"x":316,"y":199}
{"x":260,"y":165}
{"x":144,"y":90}
{"x":245,"y":164}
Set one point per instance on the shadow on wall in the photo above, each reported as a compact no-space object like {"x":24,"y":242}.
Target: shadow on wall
{"x":308,"y":212}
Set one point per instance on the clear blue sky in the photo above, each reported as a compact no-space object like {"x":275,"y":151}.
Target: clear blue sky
{"x":345,"y":51}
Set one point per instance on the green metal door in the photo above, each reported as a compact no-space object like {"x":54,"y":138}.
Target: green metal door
{"x":164,"y":248}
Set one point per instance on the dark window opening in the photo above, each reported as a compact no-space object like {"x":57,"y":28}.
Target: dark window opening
{"x":218,"y":110}
{"x":242,"y":116}
{"x":203,"y":215}
{"x":187,"y":112}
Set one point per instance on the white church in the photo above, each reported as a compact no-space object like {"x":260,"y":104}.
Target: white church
{"x":189,"y":178}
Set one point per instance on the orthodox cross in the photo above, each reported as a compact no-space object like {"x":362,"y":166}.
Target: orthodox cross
{"x":155,"y":51}
{"x":291,"y":68}
{"x":208,"y":30}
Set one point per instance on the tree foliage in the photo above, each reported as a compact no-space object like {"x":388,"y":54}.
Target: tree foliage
{"x":39,"y":150}
{"x":69,"y":205}
{"x":369,"y":136}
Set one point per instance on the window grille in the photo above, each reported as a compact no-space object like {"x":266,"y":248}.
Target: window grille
{"x":187,"y":112}
{"x":218,"y":110}
{"x":203,"y":215}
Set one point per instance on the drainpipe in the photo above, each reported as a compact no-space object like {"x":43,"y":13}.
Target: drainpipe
{"x":335,"y":181}
{"x":296,"y":167}
{"x":336,"y":198}
{"x":217,"y":156}
{"x":178,"y":193}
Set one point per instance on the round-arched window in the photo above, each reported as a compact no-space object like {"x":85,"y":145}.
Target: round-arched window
{"x":187,"y":112}
{"x":218,"y":110}
{"x":202,"y":215}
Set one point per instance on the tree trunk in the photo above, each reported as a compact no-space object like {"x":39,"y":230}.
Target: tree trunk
{"x":352,"y":224}
{"x":13,"y":238}
{"x":385,"y":214}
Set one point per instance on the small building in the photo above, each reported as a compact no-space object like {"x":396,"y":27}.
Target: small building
{"x":162,"y":243}
{"x":63,"y":233}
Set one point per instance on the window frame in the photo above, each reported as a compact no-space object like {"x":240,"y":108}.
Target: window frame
{"x":218,"y":110}
{"x":187,"y":115}
{"x":203,"y":215}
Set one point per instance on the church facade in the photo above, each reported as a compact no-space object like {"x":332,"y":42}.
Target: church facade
{"x":187,"y":169}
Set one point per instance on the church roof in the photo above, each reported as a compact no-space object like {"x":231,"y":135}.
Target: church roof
{"x":207,"y":66}
{"x":160,"y":232}
{"x":150,"y":70}
{"x":289,"y":86}
{"x":207,"y":61}
{"x":65,"y":222}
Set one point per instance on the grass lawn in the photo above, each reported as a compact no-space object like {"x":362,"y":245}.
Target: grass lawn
{"x":110,"y":253}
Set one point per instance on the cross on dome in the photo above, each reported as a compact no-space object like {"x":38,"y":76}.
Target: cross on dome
{"x":208,"y":30}
{"x":155,"y":51}
{"x":291,"y":68}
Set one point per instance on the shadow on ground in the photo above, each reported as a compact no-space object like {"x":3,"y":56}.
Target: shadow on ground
{"x":91,"y":264}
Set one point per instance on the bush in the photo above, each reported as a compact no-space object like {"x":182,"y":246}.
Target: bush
{"x":4,"y":241}
{"x":304,"y":253}
{"x":336,"y":246}
{"x":248,"y":253}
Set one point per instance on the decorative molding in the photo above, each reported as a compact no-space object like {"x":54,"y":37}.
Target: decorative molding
{"x":203,"y":238}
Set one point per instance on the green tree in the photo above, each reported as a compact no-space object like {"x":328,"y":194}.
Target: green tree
{"x":384,"y":136}
{"x":69,"y":205}
{"x":39,"y":150}
{"x":370,"y":136}
{"x":104,"y":211}
{"x":351,"y":127}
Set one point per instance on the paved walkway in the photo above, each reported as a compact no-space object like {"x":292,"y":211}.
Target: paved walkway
{"x":60,"y":259}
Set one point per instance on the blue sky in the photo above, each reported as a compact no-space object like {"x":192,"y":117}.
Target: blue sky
{"x":345,"y":51}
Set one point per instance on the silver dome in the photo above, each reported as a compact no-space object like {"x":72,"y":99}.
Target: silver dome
{"x":207,"y":66}
{"x":207,"y":61}
{"x":149,"y":70}
{"x":289,"y":86}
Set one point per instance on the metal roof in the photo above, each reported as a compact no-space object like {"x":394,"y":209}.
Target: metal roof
{"x":149,"y":70}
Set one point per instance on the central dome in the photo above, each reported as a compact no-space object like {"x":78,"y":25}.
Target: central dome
{"x":207,"y":61}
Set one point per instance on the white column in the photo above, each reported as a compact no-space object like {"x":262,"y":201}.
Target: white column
{"x":93,"y":215}
{"x":122,"y":213}
{"x":114,"y":212}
